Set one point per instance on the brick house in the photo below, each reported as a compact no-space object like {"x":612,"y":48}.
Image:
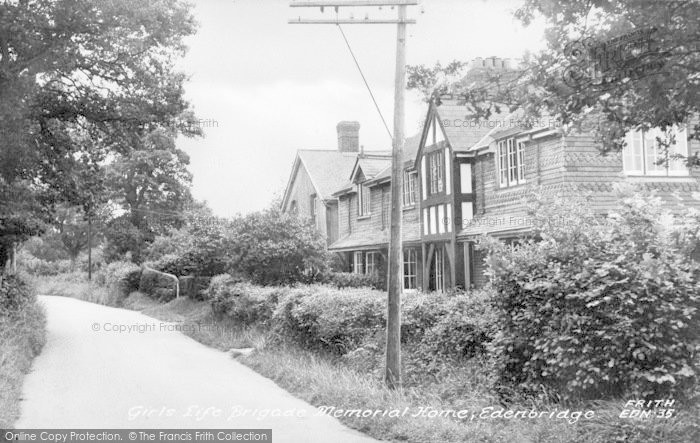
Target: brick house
{"x":316,"y":175}
{"x":364,"y":211}
{"x":463,"y":179}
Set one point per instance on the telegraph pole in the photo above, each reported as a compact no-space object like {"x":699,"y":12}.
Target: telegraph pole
{"x":392,"y":374}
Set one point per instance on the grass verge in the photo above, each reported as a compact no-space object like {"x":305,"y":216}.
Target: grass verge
{"x":23,"y":336}
{"x":326,"y":381}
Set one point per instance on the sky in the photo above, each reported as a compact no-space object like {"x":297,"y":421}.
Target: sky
{"x":264,"y":88}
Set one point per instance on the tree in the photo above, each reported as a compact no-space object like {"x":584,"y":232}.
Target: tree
{"x":21,"y":216}
{"x":152,"y":184}
{"x":81,"y":81}
{"x":628,"y":64}
{"x":272,"y":247}
{"x":75,"y":232}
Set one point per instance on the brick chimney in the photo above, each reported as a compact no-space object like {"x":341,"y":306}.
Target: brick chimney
{"x":348,"y":136}
{"x":480,"y":69}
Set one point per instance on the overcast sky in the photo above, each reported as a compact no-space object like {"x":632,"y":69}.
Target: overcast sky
{"x":265,"y":88}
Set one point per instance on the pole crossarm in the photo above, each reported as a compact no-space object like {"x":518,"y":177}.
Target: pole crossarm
{"x":306,"y":21}
{"x":352,"y":3}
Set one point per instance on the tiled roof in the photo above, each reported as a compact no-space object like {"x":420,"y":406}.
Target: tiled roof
{"x":463,"y":136}
{"x":410,"y":150}
{"x":370,"y":238}
{"x":373,"y":165}
{"x":328,"y":169}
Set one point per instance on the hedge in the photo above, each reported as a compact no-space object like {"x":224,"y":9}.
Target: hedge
{"x":598,"y":307}
{"x":16,"y":295}
{"x":326,"y":318}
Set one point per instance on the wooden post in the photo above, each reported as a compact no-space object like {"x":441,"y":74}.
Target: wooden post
{"x":392,"y":374}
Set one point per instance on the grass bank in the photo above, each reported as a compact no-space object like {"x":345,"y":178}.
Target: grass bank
{"x":23,"y":334}
{"x":328,"y":381}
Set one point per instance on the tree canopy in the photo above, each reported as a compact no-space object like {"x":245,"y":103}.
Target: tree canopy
{"x":628,"y":64}
{"x":80,"y":82}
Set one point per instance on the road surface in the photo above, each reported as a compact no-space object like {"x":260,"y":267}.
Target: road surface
{"x":91,"y":376}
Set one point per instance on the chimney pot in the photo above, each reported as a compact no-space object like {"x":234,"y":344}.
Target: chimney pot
{"x":348,"y":136}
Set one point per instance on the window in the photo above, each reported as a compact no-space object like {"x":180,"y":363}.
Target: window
{"x":357,"y":264}
{"x":439,"y":269}
{"x":410,"y":267}
{"x":409,"y":188}
{"x":511,"y":163}
{"x":363,"y":203}
{"x":437,"y":166}
{"x":386,"y":199}
{"x":312,"y":209}
{"x":371,"y":263}
{"x":646,"y":153}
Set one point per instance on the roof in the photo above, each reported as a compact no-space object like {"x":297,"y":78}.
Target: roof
{"x":328,"y":169}
{"x":372,"y":166}
{"x":368,"y":240}
{"x":410,"y":149}
{"x":463,"y":136}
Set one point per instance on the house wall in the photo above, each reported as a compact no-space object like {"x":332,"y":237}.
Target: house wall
{"x":377,"y":224}
{"x":301,"y":191}
{"x":587,"y":171}
{"x":573,"y":166}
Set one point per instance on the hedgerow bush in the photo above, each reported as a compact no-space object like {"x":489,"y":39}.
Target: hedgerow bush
{"x":274,"y":248}
{"x":243,"y":302}
{"x":597,"y":307}
{"x":16,"y":295}
{"x":466,"y":324}
{"x":37,"y":266}
{"x":352,"y":280}
{"x":323,"y":317}
{"x":157,"y":286}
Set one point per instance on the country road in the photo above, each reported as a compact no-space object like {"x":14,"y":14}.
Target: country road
{"x":89,"y":378}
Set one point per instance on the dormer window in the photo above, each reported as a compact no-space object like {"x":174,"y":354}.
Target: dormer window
{"x":363,"y":201}
{"x":511,"y":163}
{"x":646,"y":153}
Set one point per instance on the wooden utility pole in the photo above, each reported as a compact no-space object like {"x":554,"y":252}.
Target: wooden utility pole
{"x":392,"y":374}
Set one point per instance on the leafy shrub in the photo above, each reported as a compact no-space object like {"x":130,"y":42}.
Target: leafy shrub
{"x":243,"y":302}
{"x":195,"y":288}
{"x":274,"y":248}
{"x":201,"y":248}
{"x":322,"y":317}
{"x":351,"y":280}
{"x":37,"y":266}
{"x":126,"y":239}
{"x":598,"y":306}
{"x":16,"y":294}
{"x":465,"y":328}
{"x":156,"y":285}
{"x":193,"y":262}
{"x":122,"y":273}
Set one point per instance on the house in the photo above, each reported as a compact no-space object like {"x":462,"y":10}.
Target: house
{"x":316,"y":175}
{"x":464,"y":178}
{"x":364,"y":211}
